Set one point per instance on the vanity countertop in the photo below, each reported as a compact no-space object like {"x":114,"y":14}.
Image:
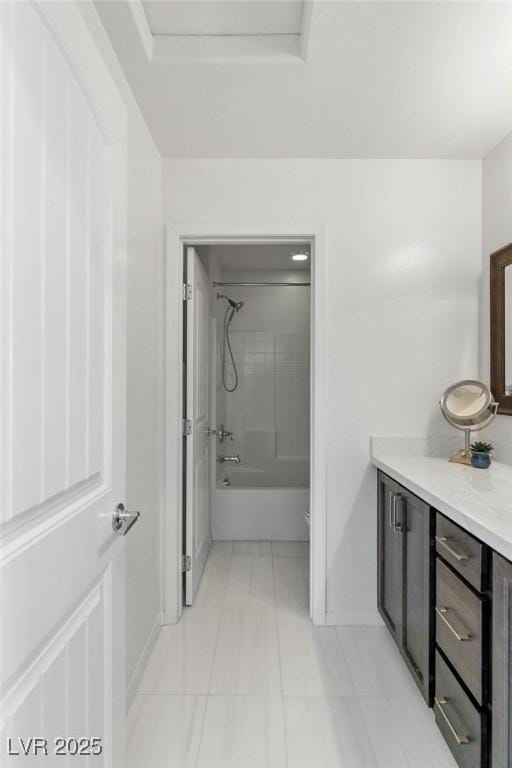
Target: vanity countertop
{"x":479,"y":500}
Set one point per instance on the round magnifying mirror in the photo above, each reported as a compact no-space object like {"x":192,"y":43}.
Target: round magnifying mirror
{"x":468,"y":405}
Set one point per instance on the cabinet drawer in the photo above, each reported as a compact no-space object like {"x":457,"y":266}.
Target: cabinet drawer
{"x":459,"y":623}
{"x":457,"y":718}
{"x":460,"y":549}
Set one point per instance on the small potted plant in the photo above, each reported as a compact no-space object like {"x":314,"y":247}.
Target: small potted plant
{"x":481,"y":454}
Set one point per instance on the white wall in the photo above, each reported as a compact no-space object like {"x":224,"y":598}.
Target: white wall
{"x":403,"y":243}
{"x":144,"y":392}
{"x":496,"y":232}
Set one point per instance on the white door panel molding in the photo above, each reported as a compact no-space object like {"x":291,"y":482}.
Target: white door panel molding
{"x":62,"y":393}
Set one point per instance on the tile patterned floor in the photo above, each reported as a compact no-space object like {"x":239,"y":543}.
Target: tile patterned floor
{"x":246,"y":681}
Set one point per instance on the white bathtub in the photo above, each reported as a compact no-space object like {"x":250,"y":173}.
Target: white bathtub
{"x":264,"y":514}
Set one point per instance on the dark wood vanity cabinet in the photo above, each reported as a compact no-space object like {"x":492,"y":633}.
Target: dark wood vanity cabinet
{"x":405,"y":576}
{"x":502,"y":663}
{"x":446,"y":598}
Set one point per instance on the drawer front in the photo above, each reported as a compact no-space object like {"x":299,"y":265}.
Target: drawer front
{"x":460,"y":549}
{"x":457,"y":718}
{"x":459,"y":627}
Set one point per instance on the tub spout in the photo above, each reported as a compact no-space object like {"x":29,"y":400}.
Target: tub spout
{"x":233,"y":459}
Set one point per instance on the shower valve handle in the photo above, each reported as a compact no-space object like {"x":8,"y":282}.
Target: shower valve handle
{"x":223,"y":433}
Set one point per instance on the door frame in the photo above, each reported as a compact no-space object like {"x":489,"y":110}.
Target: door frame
{"x":177,"y":237}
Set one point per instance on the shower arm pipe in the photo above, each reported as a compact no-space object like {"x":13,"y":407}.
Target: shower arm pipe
{"x":217,"y":284}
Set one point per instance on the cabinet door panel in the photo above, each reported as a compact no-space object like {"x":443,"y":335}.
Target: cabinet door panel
{"x":502,"y":664}
{"x":390,"y":560}
{"x":414,"y":517}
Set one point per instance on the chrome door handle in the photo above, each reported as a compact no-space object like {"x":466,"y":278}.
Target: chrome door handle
{"x":391,"y":507}
{"x":441,"y":612}
{"x":399,"y":526}
{"x":122,"y":520}
{"x":443,"y":541}
{"x":440,"y":702}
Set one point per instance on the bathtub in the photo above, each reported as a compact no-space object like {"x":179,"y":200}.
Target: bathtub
{"x":262,"y":505}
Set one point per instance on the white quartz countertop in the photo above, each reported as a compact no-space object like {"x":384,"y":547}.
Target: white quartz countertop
{"x":479,"y":500}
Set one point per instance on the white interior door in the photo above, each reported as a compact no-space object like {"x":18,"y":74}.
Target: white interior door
{"x":62,"y":392}
{"x":198,"y":441}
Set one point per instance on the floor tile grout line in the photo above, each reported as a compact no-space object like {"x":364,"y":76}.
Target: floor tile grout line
{"x":259,"y":695}
{"x":276,"y":618}
{"x":402,"y":747}
{"x":219,"y":623}
{"x":201,"y":732}
{"x":367,"y":731}
{"x":280,"y":651}
{"x":352,"y":680}
{"x":135,"y":722}
{"x":285,"y":738}
{"x":214,"y":656}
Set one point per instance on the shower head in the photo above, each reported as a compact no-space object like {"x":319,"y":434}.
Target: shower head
{"x":236,"y":305}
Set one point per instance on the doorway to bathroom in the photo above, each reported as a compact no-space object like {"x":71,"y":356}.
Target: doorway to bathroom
{"x":246,"y":398}
{"x":249,"y":407}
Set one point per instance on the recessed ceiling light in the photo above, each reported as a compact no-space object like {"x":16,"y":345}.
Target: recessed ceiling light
{"x":300,"y":257}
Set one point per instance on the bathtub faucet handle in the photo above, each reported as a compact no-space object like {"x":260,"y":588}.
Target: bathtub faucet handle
{"x":223,"y":433}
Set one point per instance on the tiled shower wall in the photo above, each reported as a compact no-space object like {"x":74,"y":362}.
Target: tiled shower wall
{"x":269,"y":411}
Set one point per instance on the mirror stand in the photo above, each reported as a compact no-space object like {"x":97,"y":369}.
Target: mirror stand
{"x":464,"y":455}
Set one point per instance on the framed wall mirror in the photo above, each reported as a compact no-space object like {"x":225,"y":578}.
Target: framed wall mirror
{"x":501,"y":328}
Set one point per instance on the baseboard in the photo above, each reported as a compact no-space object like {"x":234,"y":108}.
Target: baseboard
{"x":353,"y":619}
{"x":136,"y":677}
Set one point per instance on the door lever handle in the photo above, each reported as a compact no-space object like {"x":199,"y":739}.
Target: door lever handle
{"x":122,"y":520}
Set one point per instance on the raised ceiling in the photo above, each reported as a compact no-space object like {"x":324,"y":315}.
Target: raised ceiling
{"x":225,"y":17}
{"x":380,"y":79}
